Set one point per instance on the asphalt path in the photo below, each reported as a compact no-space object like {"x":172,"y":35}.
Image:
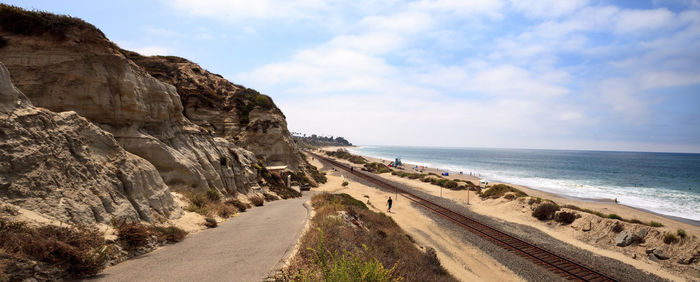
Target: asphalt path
{"x":248,"y":247}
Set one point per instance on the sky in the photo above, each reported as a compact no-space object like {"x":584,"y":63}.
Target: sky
{"x":549,"y":74}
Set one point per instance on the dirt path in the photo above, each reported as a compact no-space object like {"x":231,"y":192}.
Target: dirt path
{"x":245,"y":248}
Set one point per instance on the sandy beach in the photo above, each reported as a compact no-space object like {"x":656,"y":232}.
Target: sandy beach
{"x":599,"y":240}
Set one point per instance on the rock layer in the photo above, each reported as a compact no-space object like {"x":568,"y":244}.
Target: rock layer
{"x":86,"y":73}
{"x":231,"y":111}
{"x":63,"y":166}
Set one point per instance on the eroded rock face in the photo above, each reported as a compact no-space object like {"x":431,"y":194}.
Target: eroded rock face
{"x":231,"y":111}
{"x":86,"y":73}
{"x":63,"y":166}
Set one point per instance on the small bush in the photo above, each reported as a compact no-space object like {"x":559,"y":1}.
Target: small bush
{"x":618,"y":227}
{"x":636,"y":221}
{"x":451,"y":184}
{"x":269,"y":197}
{"x":670,"y":238}
{"x":345,"y":183}
{"x":498,"y":190}
{"x":227,"y":211}
{"x":257,"y":201}
{"x":237,"y":203}
{"x":133,"y":235}
{"x":170,"y":234}
{"x":199,"y":200}
{"x":565,"y":217}
{"x":545,"y":211}
{"x":509,"y":196}
{"x":614,"y":216}
{"x":377,"y":168}
{"x":213,"y":195}
{"x":655,"y":224}
{"x":73,"y":250}
{"x":210,"y":222}
{"x":681,"y":233}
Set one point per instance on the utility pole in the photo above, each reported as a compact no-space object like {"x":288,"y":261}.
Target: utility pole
{"x":468,"y":189}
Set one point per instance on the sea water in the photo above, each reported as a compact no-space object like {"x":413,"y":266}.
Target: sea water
{"x":665,"y":183}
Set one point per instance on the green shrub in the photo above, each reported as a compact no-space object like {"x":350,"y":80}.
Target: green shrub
{"x":670,"y":238}
{"x":236,"y":203}
{"x":199,"y":200}
{"x":614,"y":216}
{"x":681,"y":233}
{"x":498,"y":190}
{"x":213,"y":195}
{"x":170,"y":234}
{"x":377,"y":168}
{"x":565,"y":217}
{"x":450,"y":184}
{"x":350,"y":266}
{"x":257,"y":201}
{"x":636,"y":221}
{"x":545,"y":210}
{"x":210,"y":222}
{"x":655,"y":224}
{"x":345,"y":183}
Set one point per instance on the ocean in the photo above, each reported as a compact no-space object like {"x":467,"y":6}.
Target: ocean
{"x":664,"y":183}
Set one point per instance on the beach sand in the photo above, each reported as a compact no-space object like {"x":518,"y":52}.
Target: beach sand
{"x":600,"y":240}
{"x":463,"y":260}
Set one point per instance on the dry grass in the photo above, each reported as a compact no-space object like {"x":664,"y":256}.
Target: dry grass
{"x":257,"y":201}
{"x":237,"y":203}
{"x":75,"y":251}
{"x":365,"y":242}
{"x":169,"y":234}
{"x":132,"y":235}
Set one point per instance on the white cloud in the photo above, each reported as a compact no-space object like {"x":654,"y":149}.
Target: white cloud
{"x":242,"y":10}
{"x":547,"y":8}
{"x":633,"y":21}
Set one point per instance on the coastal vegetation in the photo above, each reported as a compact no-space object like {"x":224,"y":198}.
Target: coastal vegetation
{"x":378,"y":168}
{"x":315,"y":141}
{"x":77,"y":252}
{"x":344,"y":154}
{"x":18,"y":21}
{"x":349,"y":242}
{"x":499,"y":190}
{"x":452,"y":184}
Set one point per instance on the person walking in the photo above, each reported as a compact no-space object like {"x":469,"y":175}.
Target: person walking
{"x":388,"y":203}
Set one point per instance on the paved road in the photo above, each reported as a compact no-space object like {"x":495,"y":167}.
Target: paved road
{"x":245,"y":248}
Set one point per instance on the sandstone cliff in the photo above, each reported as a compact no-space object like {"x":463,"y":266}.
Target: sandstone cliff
{"x":64,"y":167}
{"x":76,"y":68}
{"x":231,"y":111}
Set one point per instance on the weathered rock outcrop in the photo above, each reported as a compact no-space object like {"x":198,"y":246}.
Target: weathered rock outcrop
{"x":64,"y":167}
{"x":231,"y":111}
{"x":79,"y":69}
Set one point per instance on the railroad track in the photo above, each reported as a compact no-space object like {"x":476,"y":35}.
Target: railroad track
{"x":550,"y":261}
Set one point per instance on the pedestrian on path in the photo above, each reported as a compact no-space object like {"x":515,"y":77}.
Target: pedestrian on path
{"x":388,"y":203}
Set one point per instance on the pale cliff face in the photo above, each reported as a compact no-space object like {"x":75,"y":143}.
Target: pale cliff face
{"x":231,"y":111}
{"x":64,"y":167}
{"x":86,"y":73}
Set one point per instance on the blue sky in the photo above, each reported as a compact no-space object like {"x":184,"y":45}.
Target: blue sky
{"x":577,"y":74}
